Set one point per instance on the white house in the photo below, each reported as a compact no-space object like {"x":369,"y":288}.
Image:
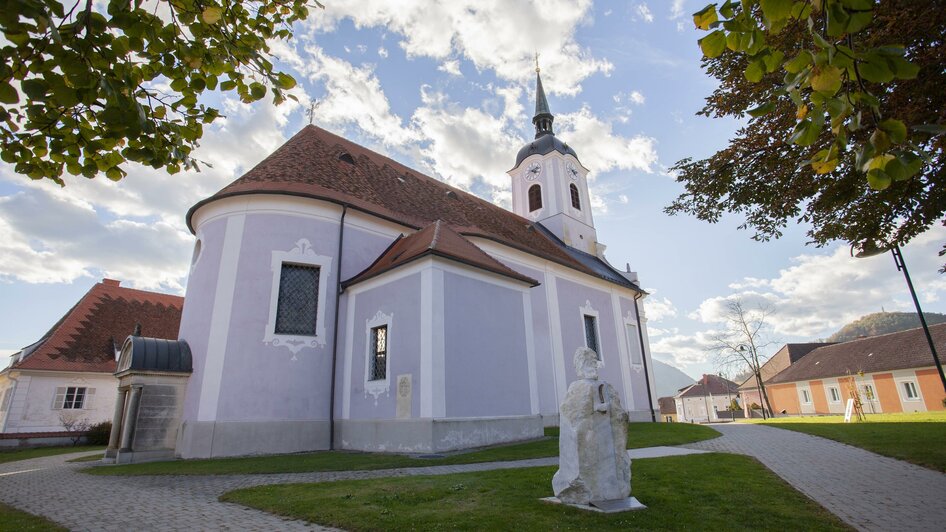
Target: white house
{"x":67,"y":374}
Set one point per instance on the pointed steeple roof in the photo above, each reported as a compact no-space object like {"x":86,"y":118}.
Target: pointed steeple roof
{"x":543,"y":116}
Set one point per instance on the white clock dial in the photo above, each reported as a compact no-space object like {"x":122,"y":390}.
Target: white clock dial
{"x":572,"y":171}
{"x":534,"y":170}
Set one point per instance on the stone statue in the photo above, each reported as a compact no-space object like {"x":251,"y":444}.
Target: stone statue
{"x":593,"y":461}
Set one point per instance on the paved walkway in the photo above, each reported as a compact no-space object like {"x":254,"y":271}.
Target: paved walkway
{"x":866,"y":490}
{"x":54,"y":488}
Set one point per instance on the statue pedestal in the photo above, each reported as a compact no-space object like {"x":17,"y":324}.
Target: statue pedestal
{"x":605,"y":507}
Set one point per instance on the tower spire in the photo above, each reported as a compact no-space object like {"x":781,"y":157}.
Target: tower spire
{"x":543,"y":116}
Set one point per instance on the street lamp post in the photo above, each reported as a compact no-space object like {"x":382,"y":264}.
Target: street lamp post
{"x":870,"y":251}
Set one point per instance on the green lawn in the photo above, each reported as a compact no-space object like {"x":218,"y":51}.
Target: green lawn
{"x":695,"y":492}
{"x":39,"y":452}
{"x":639,"y":435}
{"x":13,"y":519}
{"x":918,"y":438}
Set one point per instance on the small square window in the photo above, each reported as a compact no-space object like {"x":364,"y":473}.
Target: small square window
{"x":297,"y":306}
{"x":71,"y":398}
{"x":835,"y":395}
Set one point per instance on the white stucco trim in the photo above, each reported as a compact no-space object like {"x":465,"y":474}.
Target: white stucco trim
{"x":915,"y":403}
{"x":220,"y":319}
{"x":432,"y":377}
{"x":530,"y":352}
{"x":446,"y":265}
{"x":302,"y":253}
{"x":381,"y":386}
{"x":624,"y":353}
{"x":588,"y":310}
{"x":555,"y":332}
{"x":349,"y":340}
{"x":438,"y":341}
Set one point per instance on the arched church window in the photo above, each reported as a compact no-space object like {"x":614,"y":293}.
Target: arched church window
{"x":535,"y":198}
{"x":576,"y":199}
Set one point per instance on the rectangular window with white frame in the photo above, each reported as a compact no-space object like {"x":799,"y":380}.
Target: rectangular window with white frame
{"x":805,"y":397}
{"x":591,"y":334}
{"x":835,"y":394}
{"x":379,"y":353}
{"x":297,"y":306}
{"x":73,"y":398}
{"x":910,"y":392}
{"x":378,"y":331}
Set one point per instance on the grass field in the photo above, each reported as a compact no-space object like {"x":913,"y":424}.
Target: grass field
{"x":695,"y":492}
{"x":13,"y":519}
{"x":918,"y":438}
{"x":639,"y":435}
{"x":39,"y":452}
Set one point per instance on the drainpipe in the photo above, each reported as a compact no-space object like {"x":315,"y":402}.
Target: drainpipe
{"x":338,"y":300}
{"x":640,"y":333}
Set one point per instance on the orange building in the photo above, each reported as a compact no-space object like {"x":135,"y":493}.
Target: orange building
{"x":783,"y":358}
{"x":891,"y":372}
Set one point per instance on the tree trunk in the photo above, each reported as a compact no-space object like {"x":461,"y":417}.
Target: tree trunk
{"x":765,"y":395}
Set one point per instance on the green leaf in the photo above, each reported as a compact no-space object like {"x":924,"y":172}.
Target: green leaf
{"x":34,"y":88}
{"x":755,"y":71}
{"x":212,"y":15}
{"x":826,"y":80}
{"x":806,"y":133}
{"x":705,"y":17}
{"x":799,"y":62}
{"x":878,"y":179}
{"x":8,"y":94}
{"x":285,"y":81}
{"x":776,"y":10}
{"x":762,"y":110}
{"x":880,"y":140}
{"x":902,"y":68}
{"x":895,"y":128}
{"x":824,"y":161}
{"x":875,"y":68}
{"x":713,"y":44}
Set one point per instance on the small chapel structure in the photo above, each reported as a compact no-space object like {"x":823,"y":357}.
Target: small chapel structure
{"x":339,"y":299}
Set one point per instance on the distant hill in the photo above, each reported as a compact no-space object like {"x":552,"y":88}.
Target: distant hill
{"x":883,"y":323}
{"x":669,"y":379}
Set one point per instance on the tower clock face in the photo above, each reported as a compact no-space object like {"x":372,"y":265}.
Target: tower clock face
{"x":572,"y":171}
{"x":534,"y":170}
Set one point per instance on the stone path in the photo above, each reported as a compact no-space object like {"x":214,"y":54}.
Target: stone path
{"x":54,"y":488}
{"x":866,"y":490}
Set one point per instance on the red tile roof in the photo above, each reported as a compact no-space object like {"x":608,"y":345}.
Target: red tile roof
{"x":886,"y":352}
{"x":85,"y":338}
{"x":783,"y":358}
{"x":436,"y":239}
{"x":668,"y":405}
{"x":314,"y":163}
{"x":710,"y":385}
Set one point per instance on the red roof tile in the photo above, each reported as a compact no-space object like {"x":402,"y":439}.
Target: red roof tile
{"x":85,"y":338}
{"x":313,"y":164}
{"x":886,"y":352}
{"x":783,"y":358}
{"x":436,"y":239}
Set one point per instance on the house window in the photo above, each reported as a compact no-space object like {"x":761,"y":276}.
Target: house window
{"x":909,"y":390}
{"x":576,"y":199}
{"x":379,"y":353}
{"x":835,"y":395}
{"x":869,"y":392}
{"x":72,"y":398}
{"x":297,"y":306}
{"x":535,"y":198}
{"x":591,"y":334}
{"x":806,"y":397}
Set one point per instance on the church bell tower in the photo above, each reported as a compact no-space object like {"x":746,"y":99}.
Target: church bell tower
{"x":549,"y":184}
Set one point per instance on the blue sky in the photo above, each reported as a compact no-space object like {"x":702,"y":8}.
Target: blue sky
{"x":448,"y":87}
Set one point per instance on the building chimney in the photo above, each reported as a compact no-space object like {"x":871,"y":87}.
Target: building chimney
{"x":111,"y":282}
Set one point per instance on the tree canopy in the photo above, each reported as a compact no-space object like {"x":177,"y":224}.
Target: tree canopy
{"x":843,"y":99}
{"x":83,"y":89}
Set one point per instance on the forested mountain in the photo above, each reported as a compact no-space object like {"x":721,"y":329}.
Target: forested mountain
{"x":883,"y":323}
{"x":669,"y":379}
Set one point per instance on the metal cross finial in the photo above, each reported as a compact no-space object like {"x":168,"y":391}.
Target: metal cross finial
{"x":537,"y":62}
{"x":311,"y":112}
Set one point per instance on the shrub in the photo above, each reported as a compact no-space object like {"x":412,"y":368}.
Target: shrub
{"x":98,"y":434}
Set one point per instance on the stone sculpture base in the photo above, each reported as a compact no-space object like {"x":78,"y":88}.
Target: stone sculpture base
{"x":605,"y":507}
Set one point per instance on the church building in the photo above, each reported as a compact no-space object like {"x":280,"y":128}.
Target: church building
{"x":339,"y":299}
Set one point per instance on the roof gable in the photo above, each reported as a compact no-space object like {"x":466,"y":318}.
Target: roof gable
{"x":85,"y":338}
{"x":436,"y":239}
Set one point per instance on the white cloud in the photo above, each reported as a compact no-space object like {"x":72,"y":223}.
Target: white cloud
{"x":623,"y":199}
{"x":383,"y":52}
{"x":450,"y":28}
{"x":659,"y":309}
{"x":821,"y":292}
{"x":643,"y":13}
{"x":636,"y":97}
{"x":451,"y":67}
{"x":684,"y":349}
{"x":676,"y":9}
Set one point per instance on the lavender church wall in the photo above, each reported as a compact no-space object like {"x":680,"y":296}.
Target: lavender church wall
{"x":573,"y":298}
{"x":486,"y":367}
{"x":198,"y":306}
{"x":401,"y":300}
{"x":638,"y":380}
